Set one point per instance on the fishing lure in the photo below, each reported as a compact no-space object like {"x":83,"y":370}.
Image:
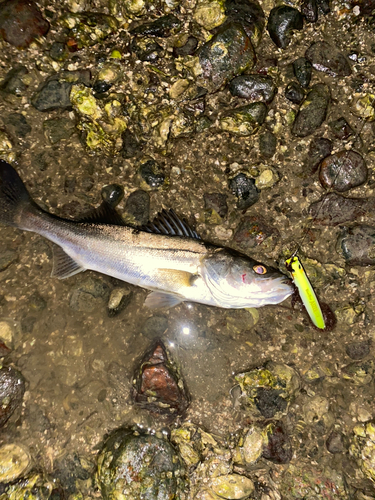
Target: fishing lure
{"x":306,"y":291}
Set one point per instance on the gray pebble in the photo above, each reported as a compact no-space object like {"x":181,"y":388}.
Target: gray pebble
{"x":357,"y":245}
{"x":138,"y":207}
{"x":327,"y":58}
{"x":358,"y":350}
{"x":312,"y":111}
{"x":282,"y":22}
{"x":87,"y":295}
{"x":343,"y":171}
{"x":53,"y":95}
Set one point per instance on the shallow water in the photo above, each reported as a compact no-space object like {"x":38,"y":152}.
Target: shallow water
{"x":79,"y":364}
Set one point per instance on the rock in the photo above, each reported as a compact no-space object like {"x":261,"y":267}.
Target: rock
{"x":88,"y":295}
{"x":302,"y":69}
{"x":21,"y":22}
{"x":319,"y":149}
{"x":59,"y":51}
{"x":327,"y":58}
{"x":253,"y":87}
{"x":209,"y":13}
{"x":309,"y":9}
{"x":57,"y":129}
{"x":69,"y":184}
{"x":358,"y":350}
{"x":88,"y":28}
{"x":139,"y":466}
{"x":363,"y":107}
{"x":187,"y":49}
{"x":12,"y":389}
{"x":163,"y":27}
{"x":267,"y":144}
{"x":157,"y":383}
{"x":312,"y":481}
{"x":282,"y":22}
{"x":137,"y":207}
{"x":146,"y":49}
{"x":359,"y":373}
{"x":227,"y":54}
{"x":253,"y":231}
{"x":6,"y":148}
{"x":294,"y":92}
{"x":53,"y":95}
{"x":232,"y":487}
{"x":70,"y":471}
{"x":362,"y":446}
{"x":7,"y":332}
{"x":16,"y":126}
{"x":312,"y":111}
{"x":119,"y":299}
{"x":324,"y":6}
{"x":249,"y":14}
{"x":33,"y":487}
{"x":216,"y":202}
{"x":250,"y":446}
{"x":244,"y":120}
{"x":112,"y":194}
{"x":335,"y":442}
{"x":334,"y":209}
{"x":357,"y":245}
{"x":7,"y":258}
{"x":100,"y":87}
{"x":152,"y":174}
{"x":341,"y":128}
{"x":14,"y":462}
{"x":266,"y":392}
{"x":244,"y":189}
{"x":13,"y":82}
{"x":278,"y":449}
{"x":155,"y":326}
{"x":342,"y":171}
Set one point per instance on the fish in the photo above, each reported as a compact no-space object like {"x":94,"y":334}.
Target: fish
{"x":165,"y":257}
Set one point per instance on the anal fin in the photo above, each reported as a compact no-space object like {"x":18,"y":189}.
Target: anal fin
{"x":163,"y":299}
{"x":63,"y":265}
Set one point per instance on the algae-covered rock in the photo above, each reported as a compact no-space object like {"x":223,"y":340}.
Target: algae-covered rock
{"x":88,"y":28}
{"x":245,"y":120}
{"x":210,"y":13}
{"x":14,"y":462}
{"x":267,"y":391}
{"x":139,"y":467}
{"x":311,"y":481}
{"x":32,"y":487}
{"x":101,"y":122}
{"x":226,"y":55}
{"x":362,"y":448}
{"x":6,"y":148}
{"x":12,"y":389}
{"x":249,"y":14}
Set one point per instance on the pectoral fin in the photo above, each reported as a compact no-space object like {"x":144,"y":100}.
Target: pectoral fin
{"x":175,"y":282}
{"x":163,"y":299}
{"x":63,"y":265}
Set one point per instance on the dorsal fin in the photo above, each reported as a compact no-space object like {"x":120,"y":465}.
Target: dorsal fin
{"x":168,"y":222}
{"x":104,"y":214}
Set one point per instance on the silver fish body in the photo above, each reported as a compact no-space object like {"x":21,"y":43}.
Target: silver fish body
{"x":173,"y":268}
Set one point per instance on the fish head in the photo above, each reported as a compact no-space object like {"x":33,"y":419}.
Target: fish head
{"x":237,"y":281}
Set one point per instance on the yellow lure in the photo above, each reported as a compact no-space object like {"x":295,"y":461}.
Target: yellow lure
{"x":306,"y":291}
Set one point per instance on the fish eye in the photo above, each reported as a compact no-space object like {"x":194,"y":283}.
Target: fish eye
{"x":260,"y":269}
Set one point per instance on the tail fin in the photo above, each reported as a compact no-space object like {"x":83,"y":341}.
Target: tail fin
{"x":14,"y":197}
